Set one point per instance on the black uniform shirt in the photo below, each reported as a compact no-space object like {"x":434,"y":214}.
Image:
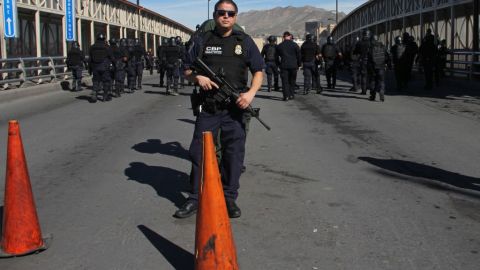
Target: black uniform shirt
{"x":289,"y":53}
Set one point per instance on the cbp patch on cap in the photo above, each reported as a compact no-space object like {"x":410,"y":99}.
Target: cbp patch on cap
{"x":238,"y":49}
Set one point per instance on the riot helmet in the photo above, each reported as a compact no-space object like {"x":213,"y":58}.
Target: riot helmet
{"x":100,"y":37}
{"x":123,"y":42}
{"x":178,"y":40}
{"x":366,"y":34}
{"x":272,"y":39}
{"x":398,"y":40}
{"x":308,"y":37}
{"x":113,"y":42}
{"x":137,"y":42}
{"x":75,"y":45}
{"x":374,"y":38}
{"x":329,"y":40}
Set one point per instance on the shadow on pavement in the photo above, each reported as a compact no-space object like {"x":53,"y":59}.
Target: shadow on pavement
{"x":154,"y":146}
{"x":83,"y":97}
{"x":65,"y":85}
{"x":268,"y":97}
{"x":154,"y":92}
{"x":178,"y":257}
{"x":189,"y":121}
{"x":343,"y":96}
{"x":425,"y":171}
{"x":152,"y":84}
{"x":168,"y":183}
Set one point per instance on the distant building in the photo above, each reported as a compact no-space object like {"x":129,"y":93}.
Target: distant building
{"x":319,"y":30}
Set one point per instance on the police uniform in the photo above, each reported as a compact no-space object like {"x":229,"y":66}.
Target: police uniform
{"x":161,"y":62}
{"x":362,"y":49}
{"x":75,"y":61}
{"x":355,"y":68}
{"x":379,"y":58}
{"x":290,"y":61}
{"x":428,"y":54}
{"x":235,"y":54}
{"x":269,"y":54}
{"x":131,"y":66}
{"x":172,"y":54}
{"x":139,"y":55}
{"x":100,"y":62}
{"x":120,"y":55}
{"x":309,"y":52}
{"x":400,"y":64}
{"x":329,"y":54}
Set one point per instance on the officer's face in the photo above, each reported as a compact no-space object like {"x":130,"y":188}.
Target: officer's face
{"x":225,"y":15}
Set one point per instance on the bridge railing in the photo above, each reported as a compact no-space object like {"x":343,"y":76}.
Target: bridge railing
{"x":35,"y":69}
{"x":464,"y":64}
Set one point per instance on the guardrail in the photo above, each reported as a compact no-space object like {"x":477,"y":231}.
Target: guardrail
{"x":464,"y":63}
{"x":35,"y":69}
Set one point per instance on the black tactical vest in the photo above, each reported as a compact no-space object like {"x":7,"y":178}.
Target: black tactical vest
{"x":98,"y":53}
{"x":378,"y":55}
{"x":75,"y":57}
{"x":172,"y":53}
{"x":308,"y":51}
{"x":227,"y":53}
{"x":270,"y":53}
{"x":329,"y":52}
{"x":398,"y":53}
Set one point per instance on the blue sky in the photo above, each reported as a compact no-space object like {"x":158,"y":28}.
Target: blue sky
{"x":193,"y":12}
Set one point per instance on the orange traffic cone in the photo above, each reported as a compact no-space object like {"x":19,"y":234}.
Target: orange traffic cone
{"x":21,"y":233}
{"x":214,"y":246}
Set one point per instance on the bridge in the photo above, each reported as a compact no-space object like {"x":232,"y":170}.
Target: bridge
{"x":455,"y":21}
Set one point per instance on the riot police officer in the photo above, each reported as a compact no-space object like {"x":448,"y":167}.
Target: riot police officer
{"x":140,"y":54}
{"x":100,"y":62}
{"x":120,"y":56}
{"x":161,"y":63}
{"x":75,"y":62}
{"x":411,"y":50}
{"x":131,"y":65}
{"x":183,"y":51}
{"x":362,"y":49}
{"x":428,"y":55}
{"x":270,"y":56}
{"x":400,"y":63}
{"x":330,"y":53}
{"x":172,"y":54}
{"x":309,"y":52}
{"x":355,"y":67}
{"x":379,"y":59}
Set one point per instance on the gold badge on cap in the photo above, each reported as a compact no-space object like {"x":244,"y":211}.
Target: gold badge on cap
{"x":238,"y":49}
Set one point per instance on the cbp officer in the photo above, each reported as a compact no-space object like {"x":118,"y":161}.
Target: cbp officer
{"x":120,"y":56}
{"x":310,"y":52}
{"x":290,"y":61}
{"x":100,"y":62}
{"x":362,"y":49}
{"x":172,"y":54}
{"x":139,"y":54}
{"x":75,"y":61}
{"x":330,"y":53}
{"x":379,"y":58}
{"x":236,"y":53}
{"x":270,"y":55}
{"x":161,"y":62}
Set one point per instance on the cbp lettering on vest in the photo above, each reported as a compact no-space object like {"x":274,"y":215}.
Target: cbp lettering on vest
{"x":100,"y":61}
{"x":270,"y":56}
{"x":379,"y":59}
{"x":75,"y":62}
{"x":310,"y":51}
{"x":331,"y":54}
{"x":235,"y":53}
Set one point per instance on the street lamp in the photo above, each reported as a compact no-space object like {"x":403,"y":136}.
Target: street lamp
{"x":208,"y":9}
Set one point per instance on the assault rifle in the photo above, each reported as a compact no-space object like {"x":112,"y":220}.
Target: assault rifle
{"x":226,"y":93}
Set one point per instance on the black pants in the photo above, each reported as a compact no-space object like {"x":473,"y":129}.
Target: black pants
{"x":331,"y":74}
{"x":139,"y":74}
{"x":232,"y":139}
{"x":356,"y":77}
{"x":308,"y":72}
{"x":378,"y":81}
{"x":288,"y":82}
{"x":364,"y":77}
{"x":272,"y":71}
{"x":173,"y":75}
{"x":162,"y":70}
{"x":77,"y":77}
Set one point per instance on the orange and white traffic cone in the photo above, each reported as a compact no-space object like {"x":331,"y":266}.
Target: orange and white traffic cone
{"x":214,"y":245}
{"x":21,"y":233}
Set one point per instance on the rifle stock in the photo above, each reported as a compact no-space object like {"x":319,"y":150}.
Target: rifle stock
{"x":226,"y":91}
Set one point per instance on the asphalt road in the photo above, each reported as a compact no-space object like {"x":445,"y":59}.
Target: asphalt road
{"x":339,"y":182}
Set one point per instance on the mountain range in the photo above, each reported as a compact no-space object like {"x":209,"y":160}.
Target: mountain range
{"x":280,"y":19}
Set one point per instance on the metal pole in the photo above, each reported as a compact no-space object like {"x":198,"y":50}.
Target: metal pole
{"x":208,"y":9}
{"x":475,"y":26}
{"x":336,"y":11}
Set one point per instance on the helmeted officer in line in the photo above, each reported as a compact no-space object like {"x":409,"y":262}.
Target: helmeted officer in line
{"x":131,"y":66}
{"x":270,"y":56}
{"x":149,"y":63}
{"x":75,"y":62}
{"x":309,"y":52}
{"x":355,"y":67}
{"x":172,"y":55}
{"x":330,"y":54}
{"x":100,"y":61}
{"x":400,"y":63}
{"x":428,"y":56}
{"x":161,"y":63}
{"x":379,"y":58}
{"x":140,"y":55}
{"x":362,"y":50}
{"x":290,"y":61}
{"x":235,"y":53}
{"x":411,"y":50}
{"x":120,"y":56}
{"x":183,"y":51}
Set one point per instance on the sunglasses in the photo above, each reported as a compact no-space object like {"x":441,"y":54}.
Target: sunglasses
{"x":222,"y":13}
